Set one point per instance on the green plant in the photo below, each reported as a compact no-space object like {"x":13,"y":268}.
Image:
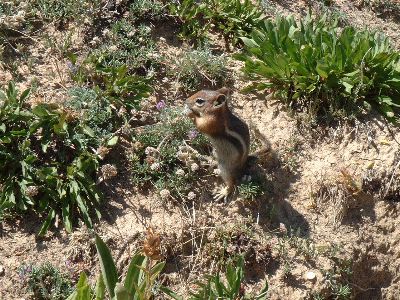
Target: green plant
{"x":215,"y":288}
{"x":313,"y":64}
{"x":46,"y":282}
{"x":161,"y":156}
{"x":96,"y":112}
{"x":146,"y":9}
{"x":233,"y":18}
{"x":138,"y":284}
{"x":127,"y":45}
{"x":53,"y":10}
{"x":112,"y":84}
{"x":250,"y":189}
{"x":337,"y":280}
{"x":47,"y":161}
{"x":196,"y":68}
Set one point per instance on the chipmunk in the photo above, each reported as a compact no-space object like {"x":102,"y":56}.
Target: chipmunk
{"x":228,"y":134}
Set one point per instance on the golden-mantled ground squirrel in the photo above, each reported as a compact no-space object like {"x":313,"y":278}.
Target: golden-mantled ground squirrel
{"x":228,"y":134}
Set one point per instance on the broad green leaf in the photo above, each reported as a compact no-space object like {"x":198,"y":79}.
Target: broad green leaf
{"x":66,"y":214}
{"x":51,"y":215}
{"x":108,"y":268}
{"x":113,"y":141}
{"x":322,"y":69}
{"x":120,"y":292}
{"x":100,"y":288}
{"x":249,"y":42}
{"x":348,"y":87}
{"x":135,"y":272}
{"x":87,"y":130}
{"x":82,"y":291}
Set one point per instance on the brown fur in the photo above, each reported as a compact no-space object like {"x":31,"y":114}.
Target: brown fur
{"x":228,"y":134}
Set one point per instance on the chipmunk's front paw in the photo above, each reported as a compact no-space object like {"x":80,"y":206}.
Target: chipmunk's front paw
{"x":222,"y":194}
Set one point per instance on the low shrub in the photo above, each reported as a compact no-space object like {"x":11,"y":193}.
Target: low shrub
{"x":169,"y":155}
{"x":50,"y":156}
{"x":233,"y":18}
{"x":45,"y":281}
{"x":200,"y":67}
{"x":313,"y":64}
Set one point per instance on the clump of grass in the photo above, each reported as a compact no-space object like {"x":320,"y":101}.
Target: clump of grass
{"x":314,"y":66}
{"x":169,"y":155}
{"x":67,"y":10}
{"x":250,"y":190}
{"x":200,"y":67}
{"x":141,"y":10}
{"x":233,"y":18}
{"x":127,"y":45}
{"x":45,"y":281}
{"x":292,"y":248}
{"x":96,"y":112}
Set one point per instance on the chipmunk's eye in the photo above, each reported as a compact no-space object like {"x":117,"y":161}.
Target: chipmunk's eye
{"x":200,"y":102}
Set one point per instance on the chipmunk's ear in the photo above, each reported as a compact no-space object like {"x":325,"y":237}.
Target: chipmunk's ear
{"x":221,"y":100}
{"x":227,"y":92}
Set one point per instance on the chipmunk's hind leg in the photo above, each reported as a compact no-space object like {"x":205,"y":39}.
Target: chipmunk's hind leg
{"x":229,"y":189}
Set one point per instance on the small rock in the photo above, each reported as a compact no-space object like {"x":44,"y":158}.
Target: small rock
{"x":310,"y":275}
{"x":2,"y":270}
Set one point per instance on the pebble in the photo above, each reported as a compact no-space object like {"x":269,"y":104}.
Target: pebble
{"x":310,"y":275}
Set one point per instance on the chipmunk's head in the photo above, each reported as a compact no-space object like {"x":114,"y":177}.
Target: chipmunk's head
{"x":207,"y":109}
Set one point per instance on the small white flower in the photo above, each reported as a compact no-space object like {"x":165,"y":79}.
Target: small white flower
{"x":113,"y":48}
{"x":191,"y":195}
{"x":165,"y":194}
{"x":121,"y":111}
{"x":182,"y":156}
{"x":95,"y":40}
{"x":282,"y":228}
{"x":194,"y":167}
{"x":106,"y":32}
{"x":217,"y":171}
{"x":150,"y":150}
{"x":155,"y":166}
{"x":180,"y":172}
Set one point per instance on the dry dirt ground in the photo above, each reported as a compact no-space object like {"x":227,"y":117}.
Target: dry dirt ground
{"x":337,"y":187}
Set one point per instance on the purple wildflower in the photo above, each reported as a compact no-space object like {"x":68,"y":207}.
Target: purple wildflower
{"x":24,"y":271}
{"x":160,"y":105}
{"x":72,"y":67}
{"x":192,"y":134}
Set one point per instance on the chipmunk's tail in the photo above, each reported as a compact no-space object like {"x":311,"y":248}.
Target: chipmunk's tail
{"x":266,"y":147}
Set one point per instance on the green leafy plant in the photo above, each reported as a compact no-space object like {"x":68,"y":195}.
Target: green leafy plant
{"x":232,"y":288}
{"x":147,"y":10}
{"x":138,"y":283}
{"x":312,"y":64}
{"x":200,"y":67}
{"x":111,"y":84}
{"x":127,"y":45}
{"x":250,"y":189}
{"x":163,"y":154}
{"x":47,"y":161}
{"x":45,"y":281}
{"x":53,"y":10}
{"x":233,"y":18}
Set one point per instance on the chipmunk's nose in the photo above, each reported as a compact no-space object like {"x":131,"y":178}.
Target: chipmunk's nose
{"x":187,"y":111}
